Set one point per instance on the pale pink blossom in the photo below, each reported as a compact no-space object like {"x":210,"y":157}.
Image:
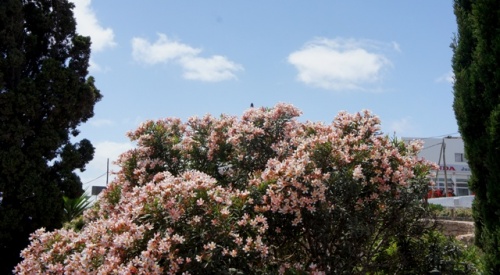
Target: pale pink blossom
{"x":191,"y":191}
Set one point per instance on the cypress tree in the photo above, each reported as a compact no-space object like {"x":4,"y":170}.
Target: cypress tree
{"x":45,"y":94}
{"x":476,"y":65}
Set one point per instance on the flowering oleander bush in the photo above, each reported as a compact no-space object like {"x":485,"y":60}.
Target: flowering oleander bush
{"x":259,"y":194}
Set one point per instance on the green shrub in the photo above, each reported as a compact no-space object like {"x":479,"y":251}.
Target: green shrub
{"x":440,"y":211}
{"x":432,"y":251}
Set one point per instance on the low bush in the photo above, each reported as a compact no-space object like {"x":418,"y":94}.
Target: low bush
{"x":442,"y":212}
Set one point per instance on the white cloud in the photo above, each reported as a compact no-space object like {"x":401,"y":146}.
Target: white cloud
{"x":161,"y":51}
{"x":396,"y":46}
{"x":94,"y":67}
{"x":101,"y":122}
{"x":402,"y":127}
{"x":88,"y":25}
{"x":448,"y":77}
{"x":211,"y":69}
{"x":111,"y":150}
{"x":216,"y":68}
{"x":339,"y":64}
{"x":133,"y":122}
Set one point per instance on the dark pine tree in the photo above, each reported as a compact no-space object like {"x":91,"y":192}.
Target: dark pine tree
{"x":45,"y":94}
{"x":476,"y":64}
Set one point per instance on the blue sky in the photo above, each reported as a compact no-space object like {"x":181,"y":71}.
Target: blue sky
{"x":156,"y":59}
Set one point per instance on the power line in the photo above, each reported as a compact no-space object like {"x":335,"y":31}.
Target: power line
{"x":431,"y":146}
{"x":441,"y":136}
{"x":97,"y":178}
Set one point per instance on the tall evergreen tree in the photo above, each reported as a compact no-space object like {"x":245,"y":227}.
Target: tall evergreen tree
{"x":45,"y":94}
{"x":476,"y":64}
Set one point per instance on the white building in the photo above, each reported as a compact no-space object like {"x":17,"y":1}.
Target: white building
{"x":448,"y":153}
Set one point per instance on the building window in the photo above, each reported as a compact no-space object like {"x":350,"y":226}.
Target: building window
{"x":459,"y":157}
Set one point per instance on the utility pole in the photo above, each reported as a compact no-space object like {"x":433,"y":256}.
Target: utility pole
{"x":107,"y":173}
{"x":445,"y":168}
{"x":437,"y":173}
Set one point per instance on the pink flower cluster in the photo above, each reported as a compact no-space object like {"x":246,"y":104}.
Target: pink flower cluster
{"x":264,"y":193}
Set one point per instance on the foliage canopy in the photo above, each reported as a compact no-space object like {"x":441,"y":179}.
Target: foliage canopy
{"x":44,"y":95}
{"x":263,"y":194}
{"x":476,"y":62}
